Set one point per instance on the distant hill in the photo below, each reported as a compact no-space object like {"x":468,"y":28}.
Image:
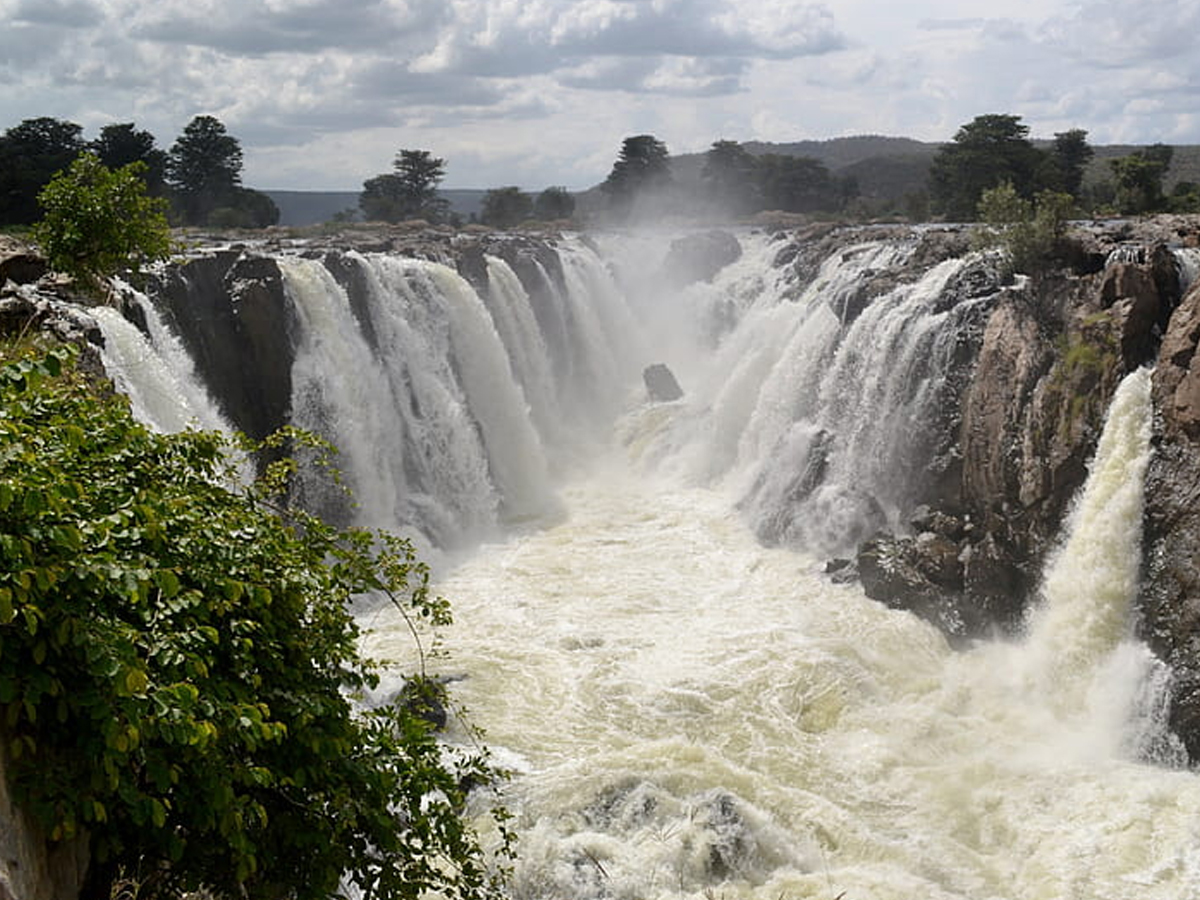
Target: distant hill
{"x":300,"y":208}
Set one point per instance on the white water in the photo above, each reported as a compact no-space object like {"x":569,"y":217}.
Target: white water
{"x":691,"y":714}
{"x":688,"y":712}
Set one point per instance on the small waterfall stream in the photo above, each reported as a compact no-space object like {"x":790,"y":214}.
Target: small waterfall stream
{"x":689,"y":711}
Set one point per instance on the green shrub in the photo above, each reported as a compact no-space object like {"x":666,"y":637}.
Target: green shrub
{"x":99,"y":222}
{"x":1029,"y":232}
{"x":177,"y":667}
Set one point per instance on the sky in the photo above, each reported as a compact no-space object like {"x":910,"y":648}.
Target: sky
{"x":322,"y":94}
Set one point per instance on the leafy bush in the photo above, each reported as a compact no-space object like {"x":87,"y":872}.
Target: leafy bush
{"x":1029,"y":232}
{"x":177,"y":667}
{"x":99,"y":222}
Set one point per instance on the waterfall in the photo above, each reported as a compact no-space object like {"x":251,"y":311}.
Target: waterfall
{"x":689,"y":707}
{"x":154,"y":370}
{"x":1080,"y":657}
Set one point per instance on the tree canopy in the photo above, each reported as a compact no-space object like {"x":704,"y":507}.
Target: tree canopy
{"x":729,"y":176}
{"x":554,"y":203}
{"x":179,"y":667}
{"x":988,"y":151}
{"x":505,"y":207}
{"x":642,"y":169}
{"x":99,"y":222}
{"x":121,"y":144}
{"x":1139,"y":179}
{"x":409,"y":191}
{"x":204,"y":168}
{"x":30,"y":153}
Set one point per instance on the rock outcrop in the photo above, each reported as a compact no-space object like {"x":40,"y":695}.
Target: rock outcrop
{"x":1170,"y":608}
{"x":699,"y":257}
{"x":661,"y":386}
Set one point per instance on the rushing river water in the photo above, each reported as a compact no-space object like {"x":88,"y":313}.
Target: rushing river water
{"x":685,"y":711}
{"x":688,"y":713}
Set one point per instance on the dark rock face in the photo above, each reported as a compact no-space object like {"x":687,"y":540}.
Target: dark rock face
{"x":661,"y":385}
{"x":699,"y":257}
{"x":19,"y":263}
{"x":1052,"y":353}
{"x":230,"y":310}
{"x":1170,"y":609}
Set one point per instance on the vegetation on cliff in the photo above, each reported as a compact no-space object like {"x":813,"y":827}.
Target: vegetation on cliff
{"x":99,"y":223}
{"x":178,"y":667}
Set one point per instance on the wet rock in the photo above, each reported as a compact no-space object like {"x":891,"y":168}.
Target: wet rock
{"x":699,"y":257}
{"x":896,"y":572}
{"x":1170,"y":602}
{"x":230,"y":310}
{"x":661,"y":385}
{"x":20,"y":263}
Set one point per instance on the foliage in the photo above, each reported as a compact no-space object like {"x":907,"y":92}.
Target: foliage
{"x":409,"y":191}
{"x":178,"y":663}
{"x":99,"y":223}
{"x":505,"y":207}
{"x":30,"y":154}
{"x":729,"y":176}
{"x":1139,"y":179}
{"x":1070,"y":156}
{"x":796,"y":184}
{"x":1029,"y":232}
{"x":554,"y":203}
{"x":642,"y":169}
{"x":119,"y":145}
{"x":986,"y":152}
{"x":204,"y":168}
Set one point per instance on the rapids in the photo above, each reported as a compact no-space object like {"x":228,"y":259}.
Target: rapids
{"x":686,"y":710}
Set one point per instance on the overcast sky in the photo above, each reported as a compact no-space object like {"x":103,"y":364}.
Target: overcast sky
{"x":323,"y":93}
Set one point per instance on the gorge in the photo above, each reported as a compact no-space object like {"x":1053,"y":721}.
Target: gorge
{"x":876,"y":608}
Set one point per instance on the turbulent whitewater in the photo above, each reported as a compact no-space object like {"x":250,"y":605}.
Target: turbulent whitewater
{"x":689,"y":706}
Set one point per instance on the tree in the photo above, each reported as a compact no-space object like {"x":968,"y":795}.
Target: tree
{"x":30,"y":154}
{"x":1028,"y":231}
{"x":553,"y":204}
{"x":100,"y":222}
{"x":986,"y":152}
{"x":1071,"y":154}
{"x":795,"y":184}
{"x":204,"y":169}
{"x":121,"y":144}
{"x":409,"y":191}
{"x":729,"y":176}
{"x":642,"y":169}
{"x":505,"y":207}
{"x":245,"y":209}
{"x":179,"y":668}
{"x":1139,"y":179}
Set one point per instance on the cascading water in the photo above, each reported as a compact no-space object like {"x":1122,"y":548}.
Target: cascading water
{"x":154,"y":370}
{"x":686,"y":711}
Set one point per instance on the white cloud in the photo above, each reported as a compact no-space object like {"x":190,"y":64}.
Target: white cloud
{"x":323,"y":92}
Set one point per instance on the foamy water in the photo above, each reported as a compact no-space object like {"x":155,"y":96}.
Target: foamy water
{"x":690,"y":714}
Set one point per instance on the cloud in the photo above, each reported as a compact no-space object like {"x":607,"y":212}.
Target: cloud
{"x":73,"y":14}
{"x":288,"y":26}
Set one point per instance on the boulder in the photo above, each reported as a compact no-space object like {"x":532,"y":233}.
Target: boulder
{"x":19,"y":262}
{"x":661,"y":385}
{"x":699,"y":257}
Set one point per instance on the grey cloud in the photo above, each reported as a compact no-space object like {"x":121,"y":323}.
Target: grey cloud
{"x":253,"y":29}
{"x":392,"y":82}
{"x":1118,"y":33}
{"x":61,"y":13}
{"x":703,"y":30}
